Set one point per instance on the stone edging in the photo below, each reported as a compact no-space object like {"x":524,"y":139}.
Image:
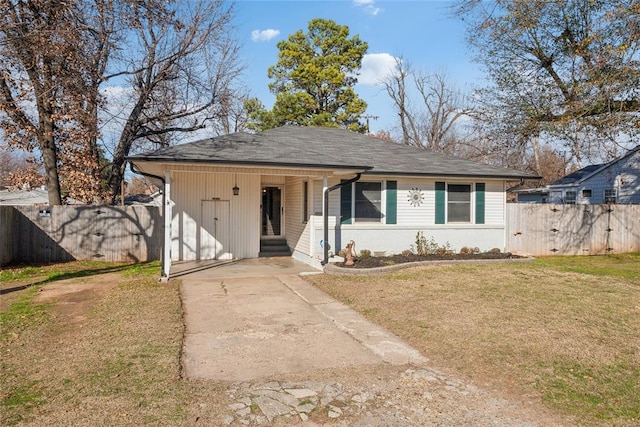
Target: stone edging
{"x":335,"y":270}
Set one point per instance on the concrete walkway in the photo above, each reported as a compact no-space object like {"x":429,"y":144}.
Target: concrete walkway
{"x":252,"y":319}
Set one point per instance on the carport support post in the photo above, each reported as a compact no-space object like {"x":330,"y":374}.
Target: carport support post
{"x":325,"y":214}
{"x":166,"y":216}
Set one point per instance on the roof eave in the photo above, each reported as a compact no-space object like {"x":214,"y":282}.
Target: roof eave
{"x":452,"y":174}
{"x":313,"y":166}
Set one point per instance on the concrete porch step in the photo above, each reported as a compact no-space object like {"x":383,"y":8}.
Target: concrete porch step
{"x":274,"y":247}
{"x":274,"y":253}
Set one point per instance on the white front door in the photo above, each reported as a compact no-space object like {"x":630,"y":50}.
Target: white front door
{"x":214,"y":230}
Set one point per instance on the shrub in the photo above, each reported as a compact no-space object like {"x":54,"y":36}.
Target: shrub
{"x":494,"y":251}
{"x":430,"y":247}
{"x":444,"y":249}
{"x":476,"y":250}
{"x":407,"y":252}
{"x":466,"y":251}
{"x":364,"y":253}
{"x":342,"y":253}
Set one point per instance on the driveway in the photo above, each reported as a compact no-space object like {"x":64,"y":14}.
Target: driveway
{"x":251,"y":319}
{"x":291,"y":355}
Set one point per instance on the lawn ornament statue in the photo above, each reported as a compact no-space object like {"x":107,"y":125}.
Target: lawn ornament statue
{"x":350,"y":252}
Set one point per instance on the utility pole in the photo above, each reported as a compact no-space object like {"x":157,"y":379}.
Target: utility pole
{"x":369,"y":116}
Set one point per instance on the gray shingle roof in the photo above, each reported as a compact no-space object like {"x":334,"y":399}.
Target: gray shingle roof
{"x":292,"y":146}
{"x":576,"y":176}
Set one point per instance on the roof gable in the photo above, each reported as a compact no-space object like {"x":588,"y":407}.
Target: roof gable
{"x":587,"y":172}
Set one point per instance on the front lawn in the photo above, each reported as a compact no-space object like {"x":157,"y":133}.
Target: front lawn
{"x":562,"y":329}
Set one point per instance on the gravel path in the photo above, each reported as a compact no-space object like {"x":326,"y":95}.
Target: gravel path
{"x":382,"y":396}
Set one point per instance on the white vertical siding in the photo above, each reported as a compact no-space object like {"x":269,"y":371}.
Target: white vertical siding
{"x":297,"y":234}
{"x":188,"y":192}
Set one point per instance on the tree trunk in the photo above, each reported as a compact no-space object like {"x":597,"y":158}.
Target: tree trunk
{"x":46,"y":137}
{"x":124,"y":146}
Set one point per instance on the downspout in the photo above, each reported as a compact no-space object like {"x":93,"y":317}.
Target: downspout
{"x":325,"y":245}
{"x":163,"y":276}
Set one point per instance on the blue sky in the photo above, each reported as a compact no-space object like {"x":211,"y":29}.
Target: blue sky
{"x":423,"y":32}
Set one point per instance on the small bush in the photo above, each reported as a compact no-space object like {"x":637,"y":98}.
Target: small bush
{"x":444,"y":250}
{"x":407,"y":252}
{"x":342,"y":253}
{"x":364,"y":253}
{"x":430,"y":247}
{"x":495,"y":251}
{"x":466,"y":251}
{"x":476,"y":250}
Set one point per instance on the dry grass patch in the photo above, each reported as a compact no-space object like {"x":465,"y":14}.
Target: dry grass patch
{"x":563,"y":329}
{"x":97,"y":350}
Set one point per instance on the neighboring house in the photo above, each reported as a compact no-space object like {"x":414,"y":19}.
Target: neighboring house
{"x":227,"y":196}
{"x":21,"y":197}
{"x":532,"y":195}
{"x":29,"y":197}
{"x":154,"y":199}
{"x":615,"y":182}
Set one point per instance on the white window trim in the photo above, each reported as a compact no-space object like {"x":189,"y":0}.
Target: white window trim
{"x":615,"y":195}
{"x":575,"y":197}
{"x":383,"y":207}
{"x":472,"y":202}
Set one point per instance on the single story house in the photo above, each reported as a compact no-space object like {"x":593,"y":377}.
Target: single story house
{"x":312,"y":190}
{"x":532,"y":195}
{"x":615,"y":182}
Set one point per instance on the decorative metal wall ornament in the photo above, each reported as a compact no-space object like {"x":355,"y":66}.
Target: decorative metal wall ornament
{"x":416,"y":197}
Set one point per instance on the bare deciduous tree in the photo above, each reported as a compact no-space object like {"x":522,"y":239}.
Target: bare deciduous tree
{"x":428,"y":107}
{"x":185,"y":64}
{"x":565,"y":71}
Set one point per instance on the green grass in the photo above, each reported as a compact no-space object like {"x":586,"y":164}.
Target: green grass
{"x":624,"y":266}
{"x":23,"y":322}
{"x":605,"y":392}
{"x":50,"y":272}
{"x":566,"y":329}
{"x":22,"y":313}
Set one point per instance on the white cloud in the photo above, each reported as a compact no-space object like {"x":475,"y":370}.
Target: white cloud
{"x":376,"y":67}
{"x":264,"y":35}
{"x":368,"y":6}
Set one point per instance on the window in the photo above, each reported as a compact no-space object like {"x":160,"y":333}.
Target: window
{"x":459,"y":203}
{"x":305,"y":201}
{"x":570,"y":197}
{"x":586,"y":194}
{"x":610,"y":195}
{"x":368,"y":202}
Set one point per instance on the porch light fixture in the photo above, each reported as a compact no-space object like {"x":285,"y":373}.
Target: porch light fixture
{"x":236,"y":190}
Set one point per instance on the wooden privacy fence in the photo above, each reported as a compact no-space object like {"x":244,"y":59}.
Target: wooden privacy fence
{"x":550,"y":229}
{"x":65,"y":233}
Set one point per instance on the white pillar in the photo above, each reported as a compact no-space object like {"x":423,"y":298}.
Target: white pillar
{"x":325,"y":186}
{"x":167,"y":216}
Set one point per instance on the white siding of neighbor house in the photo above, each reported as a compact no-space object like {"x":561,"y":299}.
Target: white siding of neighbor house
{"x":394,"y":238}
{"x":623,"y":176}
{"x":189,"y":189}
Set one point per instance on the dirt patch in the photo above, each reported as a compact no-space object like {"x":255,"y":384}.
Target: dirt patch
{"x":384,"y":261}
{"x":72,"y":299}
